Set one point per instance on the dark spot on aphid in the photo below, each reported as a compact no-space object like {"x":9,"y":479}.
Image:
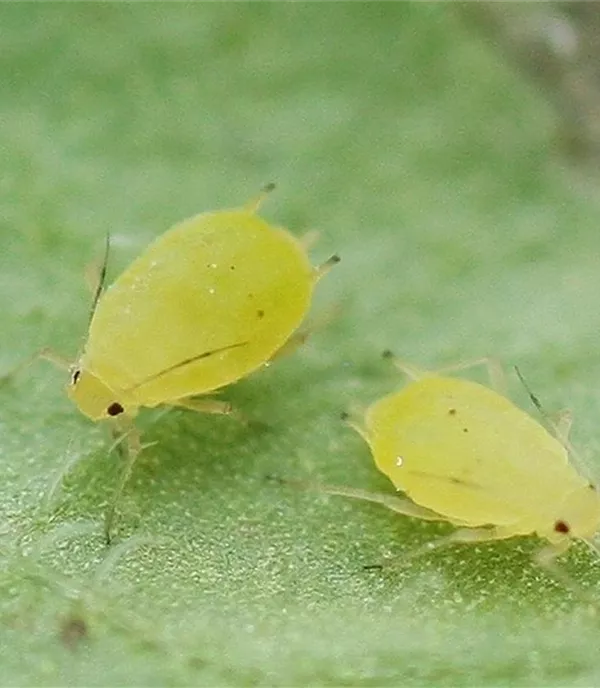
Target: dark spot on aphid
{"x":452,"y":412}
{"x":232,"y":267}
{"x":561,"y":527}
{"x":260,"y":314}
{"x":465,"y":429}
{"x":453,"y":479}
{"x":591,"y":487}
{"x":250,"y":295}
{"x":115,"y":409}
{"x":76,"y":376}
{"x":73,"y":631}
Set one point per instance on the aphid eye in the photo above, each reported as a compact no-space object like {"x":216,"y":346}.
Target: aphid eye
{"x":561,"y":527}
{"x":115,"y":409}
{"x":75,"y":377}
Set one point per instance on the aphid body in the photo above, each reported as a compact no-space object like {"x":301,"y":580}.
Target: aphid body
{"x":465,"y":452}
{"x":211,"y":300}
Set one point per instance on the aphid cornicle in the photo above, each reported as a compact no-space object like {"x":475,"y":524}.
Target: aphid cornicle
{"x":463,"y":453}
{"x":210,"y":301}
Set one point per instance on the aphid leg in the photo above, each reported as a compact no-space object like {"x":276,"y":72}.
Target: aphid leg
{"x":298,"y":339}
{"x":546,"y":559}
{"x":301,"y":336}
{"x":408,"y":369}
{"x":462,"y":535}
{"x":562,"y":422}
{"x":324,"y":268}
{"x":593,"y":544}
{"x":493,"y":366}
{"x":354,"y":419}
{"x":401,"y":505}
{"x":254,"y":204}
{"x":494,"y":369}
{"x":473,"y":536}
{"x":212,"y":406}
{"x":126,"y":434}
{"x":309,"y":239}
{"x":45,"y":354}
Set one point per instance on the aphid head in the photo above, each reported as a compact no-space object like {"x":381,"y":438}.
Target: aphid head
{"x":92,"y":396}
{"x":579,"y":515}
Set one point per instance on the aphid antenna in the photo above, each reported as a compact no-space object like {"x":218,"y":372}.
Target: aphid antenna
{"x":535,"y":400}
{"x":551,"y":424}
{"x":46,"y":353}
{"x":101,"y":279}
{"x":182,"y":364}
{"x":99,"y":290}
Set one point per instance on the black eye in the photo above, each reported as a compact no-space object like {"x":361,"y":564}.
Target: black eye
{"x":115,"y":409}
{"x":76,"y":376}
{"x":561,"y":527}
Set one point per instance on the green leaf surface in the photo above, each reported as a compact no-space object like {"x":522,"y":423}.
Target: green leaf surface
{"x":433,"y":170}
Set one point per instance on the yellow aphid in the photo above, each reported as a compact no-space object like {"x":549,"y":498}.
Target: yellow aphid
{"x":210,"y":301}
{"x":463,"y":453}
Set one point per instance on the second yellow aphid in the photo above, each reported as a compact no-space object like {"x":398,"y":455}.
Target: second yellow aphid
{"x":463,"y":453}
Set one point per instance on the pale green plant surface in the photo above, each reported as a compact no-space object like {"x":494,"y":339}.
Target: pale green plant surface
{"x":433,"y":171}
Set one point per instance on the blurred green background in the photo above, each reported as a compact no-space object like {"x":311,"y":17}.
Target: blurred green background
{"x":460,"y":191}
